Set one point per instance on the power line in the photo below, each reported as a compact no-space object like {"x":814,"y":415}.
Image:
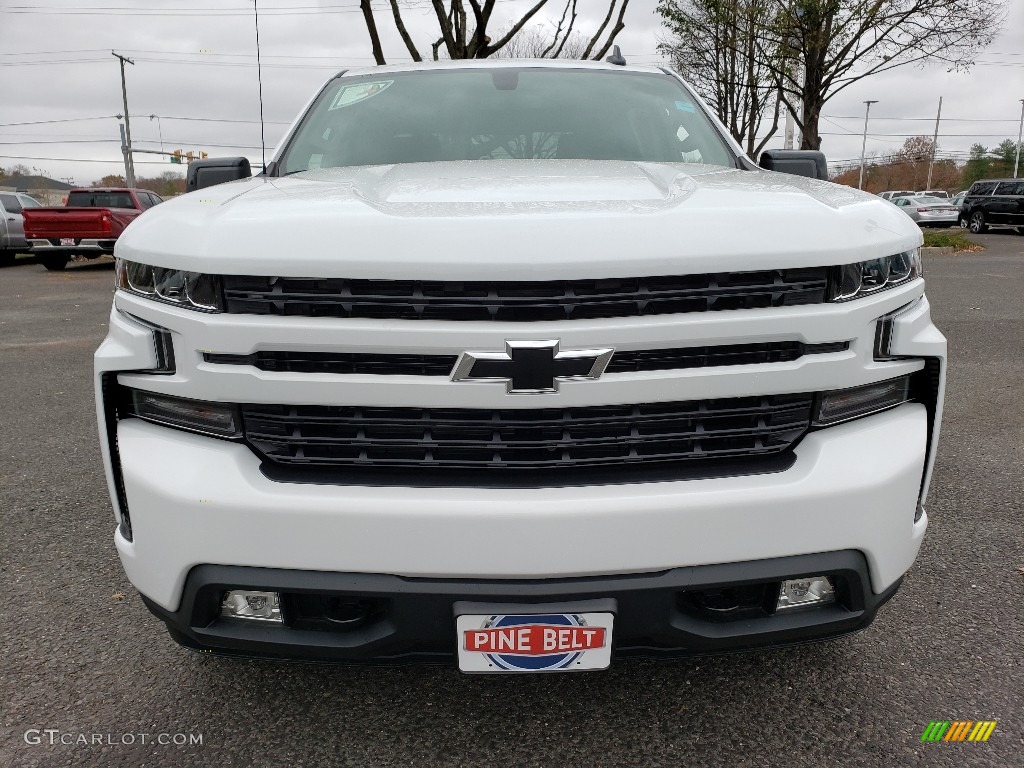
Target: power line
{"x":929,"y":119}
{"x":181,"y":142}
{"x":62,"y":120}
{"x":62,"y":141}
{"x":165,"y":117}
{"x":204,"y":13}
{"x":78,"y":160}
{"x":182,"y":53}
{"x":56,"y":61}
{"x":200,"y":9}
{"x":221,"y":120}
{"x":48,"y":53}
{"x":332,"y":67}
{"x":907,"y":135}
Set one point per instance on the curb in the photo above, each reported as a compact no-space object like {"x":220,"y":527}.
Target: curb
{"x":947,"y":250}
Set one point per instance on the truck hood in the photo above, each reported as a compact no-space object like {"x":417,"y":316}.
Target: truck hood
{"x":517,"y":220}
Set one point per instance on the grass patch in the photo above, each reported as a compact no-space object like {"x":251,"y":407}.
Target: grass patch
{"x":955,"y":240}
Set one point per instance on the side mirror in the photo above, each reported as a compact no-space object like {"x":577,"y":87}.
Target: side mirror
{"x":216,"y":170}
{"x":799,"y":162}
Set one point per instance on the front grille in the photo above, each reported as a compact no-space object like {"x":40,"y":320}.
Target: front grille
{"x":523,"y":301}
{"x":340,"y":362}
{"x":442,"y":365}
{"x":718,"y":355}
{"x":551,"y":440}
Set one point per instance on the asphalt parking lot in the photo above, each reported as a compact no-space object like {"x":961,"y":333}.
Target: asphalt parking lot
{"x":82,"y":656}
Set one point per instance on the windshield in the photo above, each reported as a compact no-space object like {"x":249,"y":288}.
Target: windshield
{"x":503,"y":113}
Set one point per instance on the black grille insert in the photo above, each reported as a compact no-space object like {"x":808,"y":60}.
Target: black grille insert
{"x":551,"y":440}
{"x":442,"y":365}
{"x":718,"y":355}
{"x":523,"y":301}
{"x":341,"y":362}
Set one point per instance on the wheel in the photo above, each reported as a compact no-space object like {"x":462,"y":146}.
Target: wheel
{"x":978,"y":224}
{"x":1020,"y":230}
{"x":6,"y":258}
{"x":54,"y":262}
{"x":963,"y":222}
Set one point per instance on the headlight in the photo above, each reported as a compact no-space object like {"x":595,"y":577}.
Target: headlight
{"x":864,"y":277}
{"x":192,"y":290}
{"x":844,"y":404}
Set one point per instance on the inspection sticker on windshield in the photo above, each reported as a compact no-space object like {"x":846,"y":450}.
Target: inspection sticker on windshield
{"x":558,"y":642}
{"x":353,"y":94}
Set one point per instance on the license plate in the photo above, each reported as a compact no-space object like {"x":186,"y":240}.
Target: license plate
{"x":559,"y":642}
{"x":67,"y":241}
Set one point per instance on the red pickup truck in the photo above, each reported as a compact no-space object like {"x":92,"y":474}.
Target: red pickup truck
{"x":87,"y":225}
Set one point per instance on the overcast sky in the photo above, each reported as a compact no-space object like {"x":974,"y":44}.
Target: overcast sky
{"x":195,"y":67}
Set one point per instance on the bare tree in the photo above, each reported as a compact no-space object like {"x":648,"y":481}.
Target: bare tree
{"x":371,"y":27}
{"x":719,"y":47}
{"x":838,"y":42}
{"x":538,"y":43}
{"x":463,"y":30}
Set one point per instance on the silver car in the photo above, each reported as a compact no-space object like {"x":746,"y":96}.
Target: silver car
{"x":893,"y":194}
{"x":12,"y":224}
{"x":929,"y":211}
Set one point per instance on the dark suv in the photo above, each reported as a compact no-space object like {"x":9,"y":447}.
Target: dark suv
{"x":994,"y":202}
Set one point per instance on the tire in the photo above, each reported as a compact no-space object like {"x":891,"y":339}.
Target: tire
{"x":54,"y":262}
{"x":963,"y":222}
{"x":6,"y":258}
{"x":977,"y":223}
{"x":1020,"y":230}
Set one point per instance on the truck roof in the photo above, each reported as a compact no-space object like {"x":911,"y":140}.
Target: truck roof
{"x":420,"y":66}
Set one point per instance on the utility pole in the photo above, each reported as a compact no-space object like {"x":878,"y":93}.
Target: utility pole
{"x":1020,"y":134}
{"x":864,"y":145}
{"x":790,"y":126}
{"x":124,"y":152}
{"x":935,"y":144}
{"x":129,"y":163}
{"x":793,"y":73}
{"x":791,"y":131}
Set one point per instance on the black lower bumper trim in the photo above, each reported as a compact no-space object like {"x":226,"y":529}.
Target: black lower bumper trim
{"x":390,"y":619}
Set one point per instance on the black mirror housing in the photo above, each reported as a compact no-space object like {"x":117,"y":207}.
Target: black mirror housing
{"x":799,"y":162}
{"x":216,"y":170}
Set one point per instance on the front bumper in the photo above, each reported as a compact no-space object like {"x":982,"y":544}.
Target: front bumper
{"x":413,"y":620}
{"x":212,"y":504}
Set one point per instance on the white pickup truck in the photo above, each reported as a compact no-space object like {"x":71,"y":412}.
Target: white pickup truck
{"x":521,"y":366}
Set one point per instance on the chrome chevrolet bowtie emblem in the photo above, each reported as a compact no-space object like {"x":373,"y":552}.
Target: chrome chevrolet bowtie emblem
{"x":531,"y":367}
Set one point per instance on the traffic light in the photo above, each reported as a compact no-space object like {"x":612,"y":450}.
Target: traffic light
{"x":178,"y":157}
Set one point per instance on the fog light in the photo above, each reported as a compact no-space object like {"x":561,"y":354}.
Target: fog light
{"x":217,"y":419}
{"x":255,"y":606}
{"x":814,"y":590}
{"x":844,"y":404}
